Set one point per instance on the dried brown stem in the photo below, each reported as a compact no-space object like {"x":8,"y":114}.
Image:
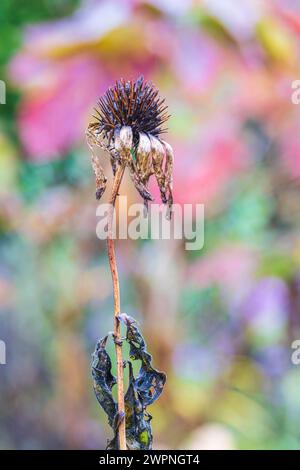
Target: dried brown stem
{"x":116,"y":291}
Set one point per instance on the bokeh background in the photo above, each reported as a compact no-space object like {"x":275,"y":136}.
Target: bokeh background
{"x":219,"y":321}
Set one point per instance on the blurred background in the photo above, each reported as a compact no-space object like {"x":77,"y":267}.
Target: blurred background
{"x":219,"y":321}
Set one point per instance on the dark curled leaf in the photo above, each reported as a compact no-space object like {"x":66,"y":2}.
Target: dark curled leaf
{"x":137,"y":344}
{"x":138,"y":428}
{"x":142,"y":390}
{"x":113,"y":444}
{"x":149,"y":381}
{"x":150,"y":384}
{"x":104,"y":380}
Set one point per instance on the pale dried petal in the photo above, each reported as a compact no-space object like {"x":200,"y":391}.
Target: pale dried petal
{"x":143,"y":157}
{"x":140,"y":186}
{"x":169,"y":164}
{"x":158,"y":153}
{"x":92,"y":141}
{"x":123,"y":139}
{"x":144,"y":147}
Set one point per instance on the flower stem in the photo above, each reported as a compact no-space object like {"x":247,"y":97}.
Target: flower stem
{"x":116,"y":291}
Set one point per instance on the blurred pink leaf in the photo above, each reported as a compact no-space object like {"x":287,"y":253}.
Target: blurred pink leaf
{"x":205,"y":165}
{"x":232,"y":267}
{"x":51,"y":121}
{"x":289,"y":10}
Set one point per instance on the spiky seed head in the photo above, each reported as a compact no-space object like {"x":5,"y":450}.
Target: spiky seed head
{"x":132,"y":103}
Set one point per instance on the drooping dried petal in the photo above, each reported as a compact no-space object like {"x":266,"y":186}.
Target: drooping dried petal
{"x":123,"y":139}
{"x":158,"y":155}
{"x":143,"y":157}
{"x":168,"y":170}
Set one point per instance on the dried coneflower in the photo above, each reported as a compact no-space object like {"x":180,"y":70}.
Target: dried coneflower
{"x":128,"y":124}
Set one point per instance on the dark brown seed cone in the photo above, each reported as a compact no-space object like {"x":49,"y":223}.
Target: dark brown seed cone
{"x":132,"y":103}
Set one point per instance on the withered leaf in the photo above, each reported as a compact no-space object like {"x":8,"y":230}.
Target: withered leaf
{"x":142,"y":390}
{"x":149,"y":381}
{"x":138,"y":428}
{"x":104,"y":380}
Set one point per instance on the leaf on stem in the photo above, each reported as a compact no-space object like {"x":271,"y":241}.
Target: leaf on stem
{"x":142,"y":391}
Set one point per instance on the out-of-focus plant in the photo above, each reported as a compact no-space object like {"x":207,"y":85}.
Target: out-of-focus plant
{"x":128,"y":126}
